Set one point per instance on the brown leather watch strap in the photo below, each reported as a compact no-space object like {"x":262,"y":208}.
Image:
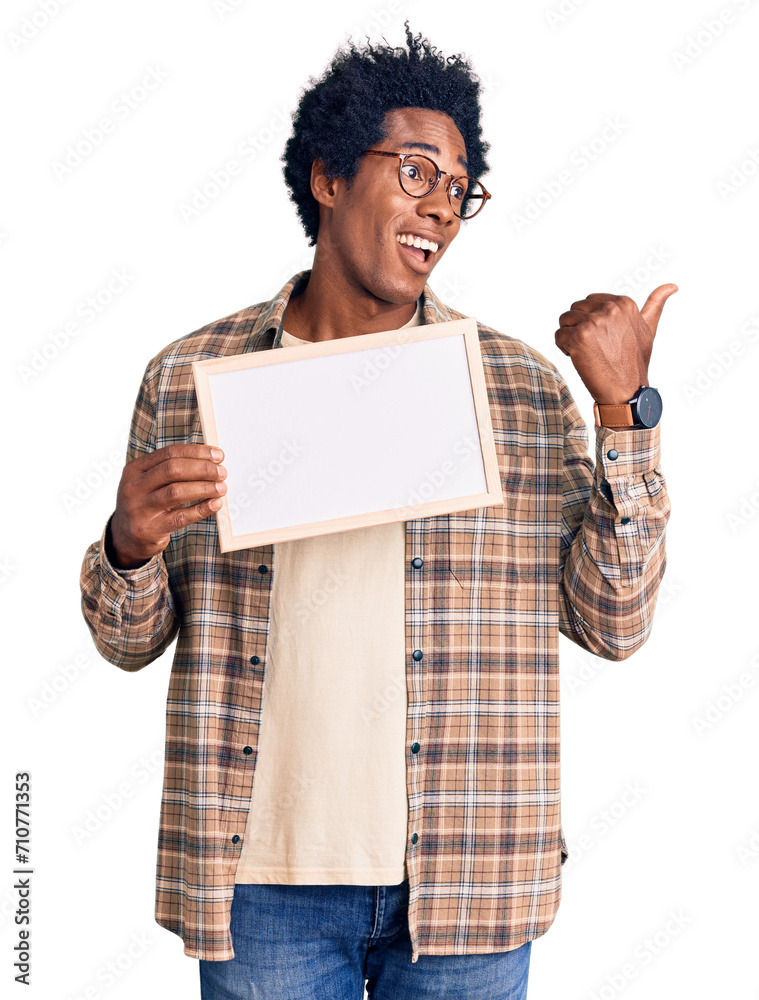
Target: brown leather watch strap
{"x":613,"y":415}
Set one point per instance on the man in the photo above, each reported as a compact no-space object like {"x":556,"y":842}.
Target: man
{"x":393,"y":689}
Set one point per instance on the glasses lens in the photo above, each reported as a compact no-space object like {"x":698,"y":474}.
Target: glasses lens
{"x":467,"y":196}
{"x":418,"y":175}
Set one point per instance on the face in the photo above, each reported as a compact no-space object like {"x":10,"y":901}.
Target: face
{"x":362,"y":224}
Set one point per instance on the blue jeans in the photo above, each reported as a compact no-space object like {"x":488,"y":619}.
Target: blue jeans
{"x":324,"y":942}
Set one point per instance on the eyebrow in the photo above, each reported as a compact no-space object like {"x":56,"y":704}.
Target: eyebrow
{"x":431,"y":149}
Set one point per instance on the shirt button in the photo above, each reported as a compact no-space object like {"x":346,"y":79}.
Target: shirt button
{"x":247,"y":750}
{"x":417,"y":563}
{"x":417,"y":654}
{"x":235,"y":839}
{"x":263,"y":569}
{"x":414,"y":748}
{"x":625,"y":520}
{"x":254,"y":660}
{"x":613,"y":454}
{"x":414,"y":837}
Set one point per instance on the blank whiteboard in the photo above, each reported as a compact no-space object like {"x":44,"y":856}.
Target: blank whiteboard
{"x":349,"y":432}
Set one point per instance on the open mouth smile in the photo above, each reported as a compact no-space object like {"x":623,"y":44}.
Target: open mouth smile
{"x":420,"y":248}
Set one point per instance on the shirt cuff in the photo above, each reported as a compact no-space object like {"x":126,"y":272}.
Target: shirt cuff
{"x":627,"y":473}
{"x":122,"y":579}
{"x":627,"y":454}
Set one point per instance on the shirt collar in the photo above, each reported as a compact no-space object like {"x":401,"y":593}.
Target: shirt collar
{"x":266,"y":332}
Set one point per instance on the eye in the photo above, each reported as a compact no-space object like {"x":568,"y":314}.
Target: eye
{"x":410,"y":171}
{"x":458,"y":191}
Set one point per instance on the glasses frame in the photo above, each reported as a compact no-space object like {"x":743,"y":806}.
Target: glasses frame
{"x":486,"y":196}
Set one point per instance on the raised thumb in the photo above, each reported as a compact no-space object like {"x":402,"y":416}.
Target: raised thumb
{"x":652,"y":307}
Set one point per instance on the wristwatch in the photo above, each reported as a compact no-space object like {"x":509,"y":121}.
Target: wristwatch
{"x":643,"y":410}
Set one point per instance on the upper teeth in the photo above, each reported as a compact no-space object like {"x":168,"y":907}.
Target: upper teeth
{"x":416,"y":241}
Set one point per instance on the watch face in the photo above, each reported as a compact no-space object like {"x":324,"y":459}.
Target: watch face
{"x":649,"y":407}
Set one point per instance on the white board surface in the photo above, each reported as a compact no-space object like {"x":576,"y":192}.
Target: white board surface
{"x":339,"y":434}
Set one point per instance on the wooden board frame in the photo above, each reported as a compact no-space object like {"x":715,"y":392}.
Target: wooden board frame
{"x":215,"y":394}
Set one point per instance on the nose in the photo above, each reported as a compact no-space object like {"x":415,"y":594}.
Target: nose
{"x":436,"y":204}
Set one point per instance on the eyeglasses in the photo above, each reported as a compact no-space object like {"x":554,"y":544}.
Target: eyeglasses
{"x":418,"y":176}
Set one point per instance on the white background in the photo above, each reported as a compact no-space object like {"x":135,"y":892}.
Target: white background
{"x":652,"y":207}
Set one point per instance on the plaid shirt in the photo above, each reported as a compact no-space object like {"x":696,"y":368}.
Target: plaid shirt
{"x":573,"y":549}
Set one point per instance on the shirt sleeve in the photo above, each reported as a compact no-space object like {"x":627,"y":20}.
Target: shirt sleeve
{"x":613,"y":529}
{"x":130,"y":612}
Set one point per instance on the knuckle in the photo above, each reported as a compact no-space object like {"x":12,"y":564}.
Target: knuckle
{"x":137,"y":530}
{"x":127,"y":487}
{"x":176,"y":520}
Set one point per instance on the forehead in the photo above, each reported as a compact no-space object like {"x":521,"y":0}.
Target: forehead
{"x":407,"y":128}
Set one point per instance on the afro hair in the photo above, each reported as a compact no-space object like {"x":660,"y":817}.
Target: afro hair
{"x":341,"y":115}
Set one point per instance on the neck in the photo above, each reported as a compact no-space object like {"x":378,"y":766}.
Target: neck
{"x":331,"y":306}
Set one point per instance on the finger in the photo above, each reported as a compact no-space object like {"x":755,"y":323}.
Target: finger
{"x":572,"y":317}
{"x":563,"y":340}
{"x":652,"y":307}
{"x":206,"y":452}
{"x":174,"y":520}
{"x":175,"y":495}
{"x":181,"y":470}
{"x":582,"y":305}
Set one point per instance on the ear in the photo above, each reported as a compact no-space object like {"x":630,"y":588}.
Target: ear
{"x":323,"y":188}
